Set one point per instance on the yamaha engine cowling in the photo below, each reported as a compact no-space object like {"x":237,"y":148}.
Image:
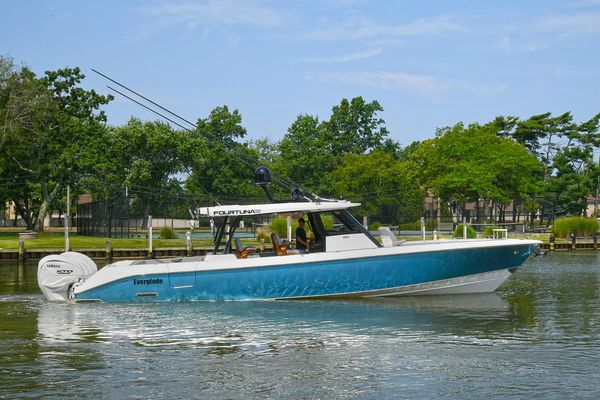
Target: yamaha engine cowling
{"x":57,"y":273}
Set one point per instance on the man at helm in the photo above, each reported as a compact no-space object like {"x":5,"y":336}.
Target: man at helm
{"x":301,"y":239}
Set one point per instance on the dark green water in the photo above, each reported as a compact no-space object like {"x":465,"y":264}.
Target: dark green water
{"x":539,"y":337}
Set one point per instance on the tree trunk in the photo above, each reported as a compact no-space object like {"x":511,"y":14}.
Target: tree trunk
{"x":43,"y":211}
{"x":25,"y":213}
{"x":146,"y":214}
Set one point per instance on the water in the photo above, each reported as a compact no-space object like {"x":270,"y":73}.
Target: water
{"x":539,"y":337}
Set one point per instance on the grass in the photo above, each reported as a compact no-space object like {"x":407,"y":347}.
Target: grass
{"x":564,"y":227}
{"x":57,"y":240}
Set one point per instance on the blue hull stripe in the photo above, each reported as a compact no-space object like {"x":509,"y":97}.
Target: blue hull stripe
{"x":311,"y":279}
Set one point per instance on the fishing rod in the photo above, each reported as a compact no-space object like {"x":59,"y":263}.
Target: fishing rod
{"x":286,"y":183}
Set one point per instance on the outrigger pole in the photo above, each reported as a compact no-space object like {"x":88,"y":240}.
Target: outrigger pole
{"x":297,"y":193}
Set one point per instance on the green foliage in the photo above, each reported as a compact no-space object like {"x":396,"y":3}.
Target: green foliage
{"x":489,"y":231}
{"x":167,"y":232}
{"x":219,"y":165}
{"x":328,"y":221}
{"x":459,"y":232}
{"x":373,"y":226}
{"x":410,"y":226}
{"x":354,"y":127}
{"x":579,"y":226}
{"x":262,"y":233}
{"x":311,"y":149}
{"x":461,"y":164}
{"x":381,"y":183}
{"x":279,"y":226}
{"x":49,"y":126}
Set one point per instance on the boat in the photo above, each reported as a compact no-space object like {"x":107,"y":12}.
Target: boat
{"x":344,"y":261}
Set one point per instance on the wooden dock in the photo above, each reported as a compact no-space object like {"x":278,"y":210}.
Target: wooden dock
{"x":103,"y":254}
{"x":109,"y":254}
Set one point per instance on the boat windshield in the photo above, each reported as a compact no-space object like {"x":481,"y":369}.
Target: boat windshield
{"x":320,"y":225}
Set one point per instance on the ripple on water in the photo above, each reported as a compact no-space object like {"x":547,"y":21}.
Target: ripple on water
{"x":540,"y":337}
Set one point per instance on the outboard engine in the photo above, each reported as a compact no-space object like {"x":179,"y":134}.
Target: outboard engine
{"x":56,"y":273}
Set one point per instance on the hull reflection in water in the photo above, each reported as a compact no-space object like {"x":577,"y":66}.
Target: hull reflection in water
{"x":255,"y":326}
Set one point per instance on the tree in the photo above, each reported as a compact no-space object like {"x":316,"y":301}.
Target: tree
{"x":354,"y":127}
{"x":467,"y":164}
{"x":305,"y":156}
{"x":312,"y":149}
{"x":148,"y":158}
{"x":47,"y":124}
{"x":383,"y":185}
{"x":222,"y":169}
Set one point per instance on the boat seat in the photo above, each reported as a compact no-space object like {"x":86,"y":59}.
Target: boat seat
{"x":388,"y":239}
{"x":243,"y":252}
{"x":280,"y":247}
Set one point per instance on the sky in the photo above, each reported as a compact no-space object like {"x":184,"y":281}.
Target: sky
{"x":428,"y":63}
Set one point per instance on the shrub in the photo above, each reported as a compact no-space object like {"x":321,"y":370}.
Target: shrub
{"x":279,"y":226}
{"x":373,"y":226}
{"x":488,"y":232}
{"x":262,"y":233}
{"x":410,"y":226}
{"x":471,"y":234}
{"x":579,"y":226}
{"x":327,"y":221}
{"x":167,"y":233}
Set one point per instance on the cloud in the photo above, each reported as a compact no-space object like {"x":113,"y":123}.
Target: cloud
{"x":363,"y":55}
{"x":426,"y":86}
{"x":213,"y":12}
{"x":362,"y":29}
{"x":571,"y":25}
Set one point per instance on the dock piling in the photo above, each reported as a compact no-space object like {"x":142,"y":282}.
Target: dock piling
{"x":21,"y":251}
{"x":188,"y":243}
{"x":109,"y":252}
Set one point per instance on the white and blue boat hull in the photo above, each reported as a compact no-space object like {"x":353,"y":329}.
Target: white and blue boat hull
{"x":424,"y":268}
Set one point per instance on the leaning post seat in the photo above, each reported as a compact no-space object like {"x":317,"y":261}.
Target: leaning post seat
{"x":280,"y":247}
{"x":242,"y":252}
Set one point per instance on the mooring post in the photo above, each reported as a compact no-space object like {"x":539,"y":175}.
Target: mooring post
{"x":464,"y":227}
{"x":435,"y":235}
{"x":108,"y":252}
{"x":67,"y":219}
{"x":188,"y":243}
{"x":150,"y":250}
{"x":552,"y":240}
{"x":573,"y":242}
{"x":423,"y":228}
{"x":21,"y":251}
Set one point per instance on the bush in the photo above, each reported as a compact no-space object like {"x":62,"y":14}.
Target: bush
{"x":279,"y":226}
{"x":373,"y":226}
{"x":167,"y":233}
{"x":579,"y":226}
{"x":488,"y":232}
{"x":410,"y":226}
{"x":262,"y":233}
{"x":471,"y":234}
